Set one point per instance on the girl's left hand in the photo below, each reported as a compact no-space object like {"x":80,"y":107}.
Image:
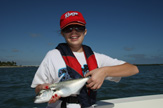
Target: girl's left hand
{"x":97,"y":78}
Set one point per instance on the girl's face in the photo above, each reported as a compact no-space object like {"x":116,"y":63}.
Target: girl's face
{"x":74,"y":35}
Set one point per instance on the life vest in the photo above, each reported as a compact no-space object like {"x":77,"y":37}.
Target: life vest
{"x":87,"y":97}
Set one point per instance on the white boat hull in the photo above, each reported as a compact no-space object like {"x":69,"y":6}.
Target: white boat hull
{"x":151,"y":101}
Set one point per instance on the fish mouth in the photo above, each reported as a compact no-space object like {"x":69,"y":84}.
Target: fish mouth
{"x":39,"y":100}
{"x":36,"y":100}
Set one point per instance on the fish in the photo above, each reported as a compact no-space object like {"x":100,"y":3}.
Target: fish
{"x":63,"y":89}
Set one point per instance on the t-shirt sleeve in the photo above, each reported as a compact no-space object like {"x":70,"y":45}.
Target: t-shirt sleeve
{"x":41,"y":75}
{"x":104,"y":60}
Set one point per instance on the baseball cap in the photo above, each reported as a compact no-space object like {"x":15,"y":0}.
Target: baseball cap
{"x":70,"y":18}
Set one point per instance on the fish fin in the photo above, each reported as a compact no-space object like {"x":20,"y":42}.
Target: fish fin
{"x":52,"y":86}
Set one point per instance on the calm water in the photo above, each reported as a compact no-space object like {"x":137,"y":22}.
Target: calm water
{"x":16,"y":92}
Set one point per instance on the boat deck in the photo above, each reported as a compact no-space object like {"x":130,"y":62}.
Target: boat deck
{"x":151,"y":101}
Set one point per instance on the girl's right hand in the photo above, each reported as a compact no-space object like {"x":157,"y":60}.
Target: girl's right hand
{"x":41,"y":87}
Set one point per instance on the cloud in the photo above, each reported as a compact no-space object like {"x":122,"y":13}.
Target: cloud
{"x":136,"y":56}
{"x":129,"y":48}
{"x":11,"y":56}
{"x":51,"y":44}
{"x":145,"y":59}
{"x":3,"y":50}
{"x":15,"y":50}
{"x":34,"y":35}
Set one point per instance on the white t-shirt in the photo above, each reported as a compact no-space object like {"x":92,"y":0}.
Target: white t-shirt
{"x":53,"y":67}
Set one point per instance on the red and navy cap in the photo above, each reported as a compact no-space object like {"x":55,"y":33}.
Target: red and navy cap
{"x":70,"y":18}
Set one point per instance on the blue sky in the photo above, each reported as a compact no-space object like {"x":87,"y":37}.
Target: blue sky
{"x":130,"y":30}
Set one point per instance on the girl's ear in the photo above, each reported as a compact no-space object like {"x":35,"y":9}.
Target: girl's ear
{"x":62,"y":34}
{"x":85,"y":32}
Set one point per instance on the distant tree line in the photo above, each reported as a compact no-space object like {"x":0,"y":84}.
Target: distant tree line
{"x":8,"y":63}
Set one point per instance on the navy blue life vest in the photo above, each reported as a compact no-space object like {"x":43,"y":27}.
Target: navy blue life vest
{"x":86,"y":97}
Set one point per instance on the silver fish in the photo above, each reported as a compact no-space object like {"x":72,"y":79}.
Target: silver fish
{"x":63,"y":89}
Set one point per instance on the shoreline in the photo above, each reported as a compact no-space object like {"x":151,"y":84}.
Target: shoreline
{"x":38,"y":66}
{"x":148,"y":64}
{"x":16,"y":66}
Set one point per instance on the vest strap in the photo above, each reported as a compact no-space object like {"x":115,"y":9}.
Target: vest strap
{"x":75,"y":71}
{"x":70,"y":99}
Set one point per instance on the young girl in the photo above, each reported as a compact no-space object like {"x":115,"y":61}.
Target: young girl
{"x":72,"y":60}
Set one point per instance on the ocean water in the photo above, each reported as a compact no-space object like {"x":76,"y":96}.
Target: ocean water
{"x":15,"y":91}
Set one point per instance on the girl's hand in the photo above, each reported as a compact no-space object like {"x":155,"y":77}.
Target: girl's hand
{"x":54,"y":99}
{"x":97,"y":78}
{"x":41,"y":87}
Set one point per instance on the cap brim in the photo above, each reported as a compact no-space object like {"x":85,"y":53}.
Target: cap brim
{"x":74,"y":23}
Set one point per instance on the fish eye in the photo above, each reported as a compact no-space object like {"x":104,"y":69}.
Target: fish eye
{"x":41,"y":92}
{"x":54,"y":90}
